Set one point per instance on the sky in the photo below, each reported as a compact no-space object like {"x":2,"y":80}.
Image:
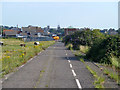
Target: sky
{"x":99,"y":15}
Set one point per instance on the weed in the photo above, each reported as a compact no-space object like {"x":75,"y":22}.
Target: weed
{"x":13,"y":55}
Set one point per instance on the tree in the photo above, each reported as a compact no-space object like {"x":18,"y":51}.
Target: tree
{"x":118,"y":31}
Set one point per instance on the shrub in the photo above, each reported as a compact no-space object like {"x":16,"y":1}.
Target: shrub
{"x":105,"y":50}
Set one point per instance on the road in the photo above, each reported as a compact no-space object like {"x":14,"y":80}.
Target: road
{"x":55,"y":67}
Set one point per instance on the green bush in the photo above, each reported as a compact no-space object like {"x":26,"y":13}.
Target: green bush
{"x":102,"y":47}
{"x":105,"y":49}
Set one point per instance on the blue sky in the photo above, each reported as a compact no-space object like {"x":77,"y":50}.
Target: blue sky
{"x":77,"y":14}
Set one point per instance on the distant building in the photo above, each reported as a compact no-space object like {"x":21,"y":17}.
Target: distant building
{"x":104,"y":31}
{"x":112,"y":32}
{"x":46,"y":30}
{"x":58,"y":28}
{"x":10,"y":33}
{"x":15,"y":28}
{"x":32,"y":31}
{"x":70,"y":30}
{"x":1,"y":30}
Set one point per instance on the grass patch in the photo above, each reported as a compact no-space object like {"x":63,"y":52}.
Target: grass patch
{"x":82,"y":60}
{"x":13,"y":55}
{"x":115,"y":61}
{"x":112,"y":75}
{"x":84,"y":49}
{"x":99,"y":81}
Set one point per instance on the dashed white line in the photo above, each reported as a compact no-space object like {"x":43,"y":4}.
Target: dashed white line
{"x":78,"y":84}
{"x":70,"y":65}
{"x":74,"y":74}
{"x":69,"y":61}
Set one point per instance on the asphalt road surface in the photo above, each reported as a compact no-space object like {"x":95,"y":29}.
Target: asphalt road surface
{"x":56,"y":67}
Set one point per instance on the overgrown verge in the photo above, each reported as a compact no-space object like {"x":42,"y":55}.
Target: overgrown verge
{"x":112,"y":75}
{"x":101,"y":48}
{"x":99,"y":80}
{"x":96,"y":47}
{"x":13,"y":55}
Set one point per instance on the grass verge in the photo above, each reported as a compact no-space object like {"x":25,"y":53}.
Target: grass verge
{"x":13,"y":55}
{"x":99,"y":81}
{"x":112,"y":75}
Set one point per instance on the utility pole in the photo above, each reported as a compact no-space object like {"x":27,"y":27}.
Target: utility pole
{"x":1,"y":30}
{"x":17,"y":27}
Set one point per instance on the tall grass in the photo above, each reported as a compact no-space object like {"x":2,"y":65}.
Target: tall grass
{"x":99,"y":80}
{"x":112,"y":75}
{"x":115,"y":61}
{"x":13,"y":55}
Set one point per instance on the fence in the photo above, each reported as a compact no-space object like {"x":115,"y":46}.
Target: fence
{"x":37,"y":39}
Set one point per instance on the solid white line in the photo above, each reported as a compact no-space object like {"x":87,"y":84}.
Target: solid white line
{"x":21,"y":66}
{"x":74,"y":74}
{"x":70,"y":65}
{"x":66,"y":53}
{"x":78,"y":84}
{"x":69,"y":61}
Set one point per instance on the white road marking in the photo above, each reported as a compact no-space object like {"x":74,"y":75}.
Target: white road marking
{"x":70,"y":65}
{"x":74,"y":74}
{"x":78,"y":84}
{"x":22,"y":66}
{"x":6,"y":77}
{"x":1,"y":81}
{"x":69,"y":61}
{"x":29,"y":60}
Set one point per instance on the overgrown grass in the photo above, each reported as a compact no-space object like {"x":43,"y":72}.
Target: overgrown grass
{"x":13,"y":55}
{"x":99,"y":81}
{"x":112,"y":75}
{"x":84,"y":49}
{"x":69,"y":46}
{"x":115,"y":61}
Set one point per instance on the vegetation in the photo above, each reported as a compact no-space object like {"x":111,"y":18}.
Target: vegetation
{"x":98,"y":47}
{"x":59,"y":32}
{"x":13,"y":55}
{"x":118,"y":31}
{"x":99,"y":81}
{"x":106,"y":51}
{"x":112,"y":75}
